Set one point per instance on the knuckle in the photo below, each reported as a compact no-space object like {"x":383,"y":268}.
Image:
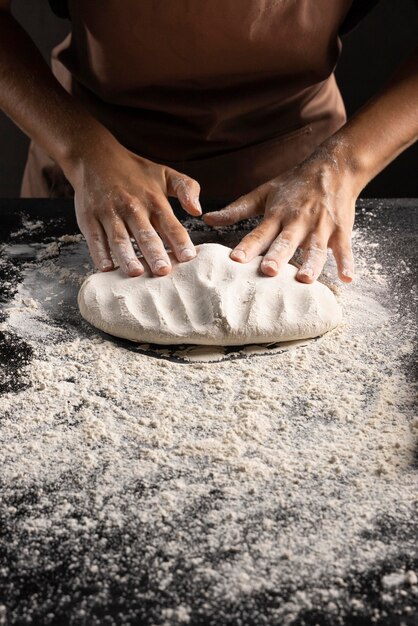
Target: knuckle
{"x":225,"y":215}
{"x":117,"y":197}
{"x":191,"y":186}
{"x":313,"y":211}
{"x":181,"y":239}
{"x":241,"y":206}
{"x":180,"y":183}
{"x":286,"y":238}
{"x":177,"y":230}
{"x":119,"y":241}
{"x":282,"y":246}
{"x":188,"y":182}
{"x":286,"y":212}
{"x":145,"y":236}
{"x":315,"y":251}
{"x":241,"y":201}
{"x":185,"y":186}
{"x":130,"y":209}
{"x":94,"y":237}
{"x":119,"y":238}
{"x":142,"y":237}
{"x":316,"y":242}
{"x":317,"y":247}
{"x":256,"y":237}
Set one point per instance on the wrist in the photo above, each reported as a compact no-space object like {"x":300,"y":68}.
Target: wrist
{"x":352,"y":161}
{"x":83,"y":148}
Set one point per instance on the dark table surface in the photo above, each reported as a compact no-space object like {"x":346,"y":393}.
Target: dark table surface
{"x":392,"y":224}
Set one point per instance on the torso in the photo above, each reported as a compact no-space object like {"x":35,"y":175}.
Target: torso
{"x":208,"y":87}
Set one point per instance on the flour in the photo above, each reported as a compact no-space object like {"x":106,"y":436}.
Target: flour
{"x":28,"y":226}
{"x":264,"y":490}
{"x":51,"y":250}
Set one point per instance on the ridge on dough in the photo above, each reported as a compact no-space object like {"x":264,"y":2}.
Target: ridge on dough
{"x":210,"y":300}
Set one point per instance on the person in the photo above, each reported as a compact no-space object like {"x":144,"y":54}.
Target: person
{"x":151,"y":100}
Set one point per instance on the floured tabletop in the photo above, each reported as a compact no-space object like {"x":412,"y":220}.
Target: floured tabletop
{"x":155,"y":485}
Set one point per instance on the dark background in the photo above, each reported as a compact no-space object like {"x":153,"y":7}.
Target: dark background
{"x":370,"y":53}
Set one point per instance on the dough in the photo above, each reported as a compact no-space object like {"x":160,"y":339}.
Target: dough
{"x":210,"y":300}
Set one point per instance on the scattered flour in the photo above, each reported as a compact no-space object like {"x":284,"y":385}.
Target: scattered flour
{"x":28,"y":226}
{"x":258,"y":490}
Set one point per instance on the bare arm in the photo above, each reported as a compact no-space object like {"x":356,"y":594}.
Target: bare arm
{"x":312,"y":206}
{"x":32,"y":97}
{"x":385,"y":126}
{"x":117,"y":194}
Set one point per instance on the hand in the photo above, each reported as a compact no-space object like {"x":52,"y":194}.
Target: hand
{"x":119,"y":195}
{"x":311,"y":206}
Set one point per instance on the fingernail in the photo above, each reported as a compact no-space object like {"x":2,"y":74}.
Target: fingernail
{"x":305,"y":271}
{"x":106,"y":264}
{"x":271,"y":265}
{"x":159,"y":265}
{"x":187,"y":254}
{"x":347,"y":272}
{"x":239,"y":255}
{"x":133,"y":266}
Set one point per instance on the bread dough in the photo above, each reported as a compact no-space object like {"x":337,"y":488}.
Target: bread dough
{"x":210,"y":300}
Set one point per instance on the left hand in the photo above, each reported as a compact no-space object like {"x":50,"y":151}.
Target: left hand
{"x":311,"y":206}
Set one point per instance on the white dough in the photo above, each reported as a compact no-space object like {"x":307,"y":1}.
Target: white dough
{"x":210,"y":300}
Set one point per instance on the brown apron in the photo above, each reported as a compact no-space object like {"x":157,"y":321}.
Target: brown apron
{"x":230,"y":93}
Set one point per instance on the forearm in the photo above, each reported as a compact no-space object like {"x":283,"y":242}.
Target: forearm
{"x":381,"y":129}
{"x":32,"y":97}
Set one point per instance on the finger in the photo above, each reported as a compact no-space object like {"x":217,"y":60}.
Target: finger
{"x":314,"y":257}
{"x":121,"y":246}
{"x":173,"y":232}
{"x":343,"y":253}
{"x":98,"y":246}
{"x":256,"y":241}
{"x":241,"y":209}
{"x":136,"y":220}
{"x":281,"y":251}
{"x":150,"y":244}
{"x":186,"y":189}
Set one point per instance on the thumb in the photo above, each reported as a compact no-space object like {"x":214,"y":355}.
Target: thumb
{"x":243,"y":208}
{"x":186,"y":189}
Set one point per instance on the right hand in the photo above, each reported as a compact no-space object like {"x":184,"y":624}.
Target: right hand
{"x":119,"y":195}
